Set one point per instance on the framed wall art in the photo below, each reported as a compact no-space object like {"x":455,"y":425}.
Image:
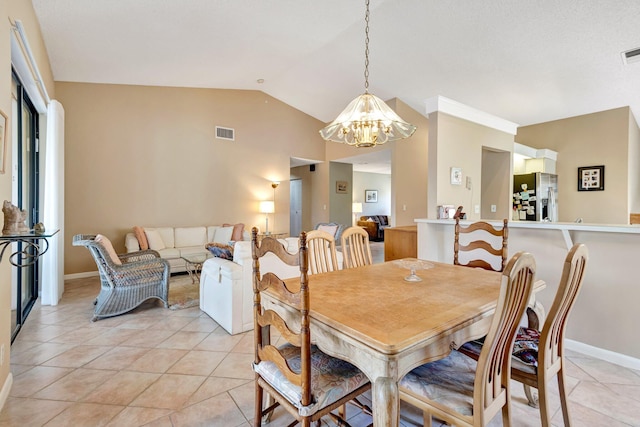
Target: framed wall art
{"x":371,"y":196}
{"x":342,"y":187}
{"x":591,"y":178}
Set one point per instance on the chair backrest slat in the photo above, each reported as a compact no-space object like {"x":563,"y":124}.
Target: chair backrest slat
{"x":467,"y":246}
{"x":322,"y":252}
{"x":552,"y":334}
{"x":265,"y":319}
{"x":494,"y":363}
{"x":355,"y":247}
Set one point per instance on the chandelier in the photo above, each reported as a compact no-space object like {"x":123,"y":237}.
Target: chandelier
{"x":367,"y":121}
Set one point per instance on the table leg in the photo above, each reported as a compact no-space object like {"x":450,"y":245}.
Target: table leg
{"x":386,"y":403}
{"x":188,"y":266}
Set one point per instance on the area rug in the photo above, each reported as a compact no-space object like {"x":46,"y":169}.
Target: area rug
{"x":183,"y":293}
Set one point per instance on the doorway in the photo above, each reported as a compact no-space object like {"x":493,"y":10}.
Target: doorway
{"x":295,"y":206}
{"x":25,"y":169}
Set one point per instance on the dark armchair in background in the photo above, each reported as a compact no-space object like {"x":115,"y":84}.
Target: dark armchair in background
{"x":375,"y":225}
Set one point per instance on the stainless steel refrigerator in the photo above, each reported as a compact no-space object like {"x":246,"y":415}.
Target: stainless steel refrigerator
{"x":535,"y":197}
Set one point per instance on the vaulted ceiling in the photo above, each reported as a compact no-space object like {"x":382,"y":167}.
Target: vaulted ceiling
{"x":524,"y":61}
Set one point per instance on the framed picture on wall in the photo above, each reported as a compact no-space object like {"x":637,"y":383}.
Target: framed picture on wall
{"x":371,"y":196}
{"x":591,"y":178}
{"x":342,"y":187}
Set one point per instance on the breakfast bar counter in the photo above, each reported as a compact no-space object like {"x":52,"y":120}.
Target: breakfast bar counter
{"x":604,"y":318}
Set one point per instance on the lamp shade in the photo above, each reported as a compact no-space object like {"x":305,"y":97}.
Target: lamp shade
{"x":367,"y":121}
{"x":267,"y":206}
{"x":357,"y":207}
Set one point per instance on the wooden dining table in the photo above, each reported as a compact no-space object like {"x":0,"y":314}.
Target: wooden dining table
{"x":386,"y":326}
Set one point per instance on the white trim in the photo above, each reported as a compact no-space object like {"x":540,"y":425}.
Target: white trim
{"x":81,"y":275}
{"x":27,"y":67}
{"x":6,"y":388}
{"x":606,"y":355}
{"x":457,"y":109}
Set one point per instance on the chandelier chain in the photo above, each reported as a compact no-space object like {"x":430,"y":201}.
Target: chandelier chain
{"x":366,"y":49}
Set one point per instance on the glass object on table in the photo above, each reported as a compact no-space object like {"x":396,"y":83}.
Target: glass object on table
{"x":413,"y":264}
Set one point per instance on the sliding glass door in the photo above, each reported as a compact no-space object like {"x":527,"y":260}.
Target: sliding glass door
{"x":25,"y":167}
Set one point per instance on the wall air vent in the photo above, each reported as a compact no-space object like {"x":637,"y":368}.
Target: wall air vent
{"x":225,"y":133}
{"x":631,"y":56}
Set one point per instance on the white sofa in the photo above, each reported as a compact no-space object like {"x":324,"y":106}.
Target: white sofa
{"x":226,"y":287}
{"x":177,"y":241}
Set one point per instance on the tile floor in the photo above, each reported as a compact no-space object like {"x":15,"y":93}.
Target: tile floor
{"x":158,"y":367}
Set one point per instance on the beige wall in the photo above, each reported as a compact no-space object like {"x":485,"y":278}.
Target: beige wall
{"x":496,"y":169}
{"x":459,"y":143}
{"x":10,"y":11}
{"x":634,"y":165}
{"x":373,"y":181}
{"x":340,"y":203}
{"x":589,"y":140}
{"x":409,"y":165}
{"x":139,"y":155}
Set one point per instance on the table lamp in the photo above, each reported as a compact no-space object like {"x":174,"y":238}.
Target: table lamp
{"x":267,"y":207}
{"x":356,"y":209}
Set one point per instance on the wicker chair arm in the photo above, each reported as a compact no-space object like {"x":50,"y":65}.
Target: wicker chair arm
{"x":145,"y":255}
{"x":135,"y":273}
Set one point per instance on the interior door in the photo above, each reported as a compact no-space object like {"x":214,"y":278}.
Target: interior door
{"x":295,"y":206}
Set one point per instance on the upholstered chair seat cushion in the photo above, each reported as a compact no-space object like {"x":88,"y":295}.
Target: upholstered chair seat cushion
{"x":331,"y":378}
{"x":448,"y":381}
{"x":525,"y":350}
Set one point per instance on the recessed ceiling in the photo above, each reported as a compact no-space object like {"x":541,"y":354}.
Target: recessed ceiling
{"x":525,"y":61}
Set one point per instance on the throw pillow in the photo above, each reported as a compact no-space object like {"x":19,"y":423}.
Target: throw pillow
{"x":142,"y":238}
{"x":108,"y":247}
{"x":331,"y":229}
{"x":155,"y":240}
{"x":220,"y":250}
{"x":238,"y":229}
{"x":223,"y":235}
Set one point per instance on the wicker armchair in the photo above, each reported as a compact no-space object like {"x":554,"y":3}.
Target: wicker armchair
{"x":139,"y":276}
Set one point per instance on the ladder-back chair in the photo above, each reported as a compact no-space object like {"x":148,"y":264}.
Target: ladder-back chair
{"x":298,"y":376}
{"x":475,"y":244}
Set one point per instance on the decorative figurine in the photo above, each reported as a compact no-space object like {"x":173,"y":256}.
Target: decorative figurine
{"x":14,"y":219}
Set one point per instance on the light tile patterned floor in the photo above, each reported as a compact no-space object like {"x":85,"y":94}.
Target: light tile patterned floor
{"x":158,"y":367}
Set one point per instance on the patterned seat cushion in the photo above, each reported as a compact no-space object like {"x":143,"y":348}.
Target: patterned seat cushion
{"x":448,"y":381}
{"x":525,"y":350}
{"x":331,"y":378}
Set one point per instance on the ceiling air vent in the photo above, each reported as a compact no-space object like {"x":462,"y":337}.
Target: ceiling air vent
{"x":631,"y":56}
{"x":225,"y":133}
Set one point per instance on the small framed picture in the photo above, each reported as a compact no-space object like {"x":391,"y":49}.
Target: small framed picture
{"x":342,"y":187}
{"x":591,"y":178}
{"x":371,"y":196}
{"x":456,"y":176}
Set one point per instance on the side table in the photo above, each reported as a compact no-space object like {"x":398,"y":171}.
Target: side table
{"x":193,"y":264}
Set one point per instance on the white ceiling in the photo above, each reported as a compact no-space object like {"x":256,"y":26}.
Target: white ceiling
{"x":525,"y":61}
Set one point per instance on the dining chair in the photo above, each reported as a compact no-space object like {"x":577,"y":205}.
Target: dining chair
{"x":472,"y":240}
{"x":461,"y":391}
{"x":539,"y":355}
{"x":322,"y":252}
{"x":355,"y":247}
{"x":308,"y":383}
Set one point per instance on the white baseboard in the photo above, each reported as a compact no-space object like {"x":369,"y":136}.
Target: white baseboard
{"x":81,"y":275}
{"x":606,"y":355}
{"x":6,"y":388}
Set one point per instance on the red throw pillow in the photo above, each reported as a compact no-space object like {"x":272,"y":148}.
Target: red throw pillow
{"x":236,"y":234}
